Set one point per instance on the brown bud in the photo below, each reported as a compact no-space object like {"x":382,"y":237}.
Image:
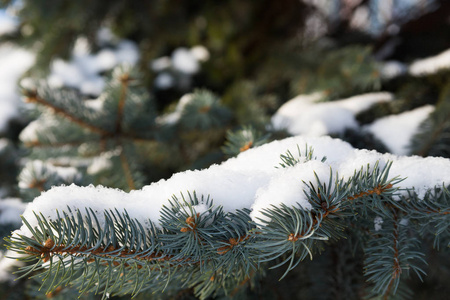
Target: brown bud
{"x":49,"y":243}
{"x":246,"y":147}
{"x":190,"y":221}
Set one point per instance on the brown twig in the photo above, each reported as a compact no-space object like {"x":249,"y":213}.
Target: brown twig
{"x":34,"y":98}
{"x":126,"y":170}
{"x":123,"y":95}
{"x":396,"y":268}
{"x":331,"y":210}
{"x":50,"y":248}
{"x":246,"y":146}
{"x":232,"y":242}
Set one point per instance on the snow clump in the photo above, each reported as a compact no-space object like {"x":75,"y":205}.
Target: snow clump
{"x":252,"y":180}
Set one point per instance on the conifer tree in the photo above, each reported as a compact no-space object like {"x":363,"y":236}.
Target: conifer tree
{"x":219,"y":187}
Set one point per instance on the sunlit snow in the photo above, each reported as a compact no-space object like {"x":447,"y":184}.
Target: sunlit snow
{"x":396,"y":131}
{"x":251,"y":180}
{"x":306,"y":115}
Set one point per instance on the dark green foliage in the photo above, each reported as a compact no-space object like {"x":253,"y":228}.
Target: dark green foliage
{"x":336,"y":72}
{"x":243,"y":139}
{"x":288,"y":159}
{"x":394,"y":252}
{"x":435,"y":223}
{"x":203,"y":111}
{"x":8,"y":165}
{"x":212,"y":251}
{"x":260,"y":56}
{"x":70,"y":128}
{"x":433,"y":137}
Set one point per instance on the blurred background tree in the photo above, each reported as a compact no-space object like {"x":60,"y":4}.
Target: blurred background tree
{"x":241,"y":59}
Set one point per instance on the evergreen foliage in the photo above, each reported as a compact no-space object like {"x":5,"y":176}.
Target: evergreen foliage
{"x":213,"y":251}
{"x":362,"y":237}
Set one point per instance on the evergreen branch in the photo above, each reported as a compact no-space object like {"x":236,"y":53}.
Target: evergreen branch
{"x":126,"y":170}
{"x":390,"y":254}
{"x":241,"y":284}
{"x":50,"y":249}
{"x":124,"y":79}
{"x":103,"y":139}
{"x":396,"y":268}
{"x":76,"y":244}
{"x":378,"y":190}
{"x":33,"y":97}
{"x":296,"y":231}
{"x":37,"y":145}
{"x":288,"y":159}
{"x":232,"y":242}
{"x":201,"y":245}
{"x":431,"y":214}
{"x":432,"y":138}
{"x":242,"y":140}
{"x":430,"y":142}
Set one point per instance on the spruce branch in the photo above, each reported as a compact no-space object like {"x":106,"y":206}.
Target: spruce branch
{"x":124,"y":79}
{"x":288,"y":159}
{"x":33,"y":97}
{"x":242,"y":140}
{"x":126,"y":170}
{"x":433,"y":137}
{"x":390,"y":254}
{"x":203,"y":247}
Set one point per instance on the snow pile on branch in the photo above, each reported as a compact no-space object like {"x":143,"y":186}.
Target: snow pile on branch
{"x":10,"y":211}
{"x":174,"y":117}
{"x":430,"y":65}
{"x":178,"y":69}
{"x":82,"y":71}
{"x":305,"y":115}
{"x":13,"y":62}
{"x":7,"y":265}
{"x":396,"y":131}
{"x":8,"y":23}
{"x":250,"y":180}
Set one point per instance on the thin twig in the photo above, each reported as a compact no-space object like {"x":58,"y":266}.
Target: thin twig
{"x":397,"y":269}
{"x":123,"y":95}
{"x":126,"y":170}
{"x":58,"y":110}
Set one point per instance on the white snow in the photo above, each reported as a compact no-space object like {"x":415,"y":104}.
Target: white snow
{"x":173,"y":117}
{"x":161,"y":63}
{"x":30,"y":133}
{"x":10,"y":211}
{"x":83,"y":70}
{"x":377,"y":222}
{"x":396,"y":131}
{"x":101,"y":163}
{"x":95,"y":104}
{"x":250,"y":180}
{"x":184,"y":61}
{"x":7,"y":265}
{"x":105,"y":36}
{"x":37,"y":169}
{"x":200,"y":53}
{"x":431,"y":65}
{"x":305,"y":115}
{"x":8,"y":23}
{"x":391,"y":69}
{"x":13,"y":62}
{"x":164,"y":81}
{"x":4,"y":144}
